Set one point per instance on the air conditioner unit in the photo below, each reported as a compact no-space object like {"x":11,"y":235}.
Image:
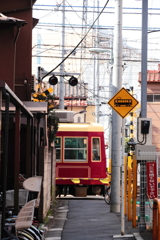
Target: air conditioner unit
{"x":65,"y":116}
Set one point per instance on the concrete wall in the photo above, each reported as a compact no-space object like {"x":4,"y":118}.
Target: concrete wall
{"x":46,"y":169}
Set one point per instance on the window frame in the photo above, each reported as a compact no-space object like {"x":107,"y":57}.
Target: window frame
{"x":75,"y":160}
{"x":153,"y":97}
{"x":100,"y":157}
{"x":61,"y":145}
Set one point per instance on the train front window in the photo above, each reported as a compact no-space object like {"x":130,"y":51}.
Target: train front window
{"x":58,"y":149}
{"x":96,"y":149}
{"x":75,"y":149}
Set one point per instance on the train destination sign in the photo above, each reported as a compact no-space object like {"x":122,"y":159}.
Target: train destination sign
{"x":123,"y":102}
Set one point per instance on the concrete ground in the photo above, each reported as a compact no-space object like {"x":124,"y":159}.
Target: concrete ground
{"x":88,"y":219}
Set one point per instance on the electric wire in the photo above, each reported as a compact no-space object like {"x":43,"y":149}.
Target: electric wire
{"x":48,"y":14}
{"x":78,"y":43}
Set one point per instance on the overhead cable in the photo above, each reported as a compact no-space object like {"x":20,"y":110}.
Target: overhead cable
{"x":78,"y":43}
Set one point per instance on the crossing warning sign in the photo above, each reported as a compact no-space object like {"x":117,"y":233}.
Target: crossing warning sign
{"x":123,"y":102}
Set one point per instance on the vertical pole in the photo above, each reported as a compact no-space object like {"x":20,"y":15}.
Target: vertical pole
{"x":39,"y":78}
{"x":131,"y":135}
{"x":5,"y":160}
{"x":61,"y":97}
{"x":116,"y":119}
{"x":144,"y":58}
{"x":110,"y":95}
{"x":129,"y":189}
{"x":17,"y":160}
{"x":134,"y":191}
{"x":125,"y":185}
{"x":142,"y":225}
{"x":155,"y":210}
{"x":94,"y":82}
{"x":28,"y":148}
{"x":98,"y":65}
{"x":97,"y":102}
{"x":122,"y":201}
{"x":33,"y":159}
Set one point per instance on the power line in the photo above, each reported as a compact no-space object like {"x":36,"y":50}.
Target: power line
{"x":78,"y":43}
{"x":80,"y":11}
{"x":130,"y":8}
{"x":153,"y":29}
{"x":102,"y":59}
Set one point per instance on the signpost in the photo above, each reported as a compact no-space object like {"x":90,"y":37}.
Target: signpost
{"x":123,"y":102}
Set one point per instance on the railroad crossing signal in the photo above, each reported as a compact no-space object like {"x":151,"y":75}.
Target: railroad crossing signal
{"x":123,"y":102}
{"x":41,"y":97}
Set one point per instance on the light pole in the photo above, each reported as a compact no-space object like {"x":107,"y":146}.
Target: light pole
{"x":61,"y":97}
{"x":97,"y":51}
{"x":116,"y":119}
{"x":142,"y":225}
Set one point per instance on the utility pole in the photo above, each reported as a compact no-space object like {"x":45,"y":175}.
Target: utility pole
{"x":144,"y":58}
{"x":142,"y":225}
{"x":61,"y":97}
{"x":97,"y":102}
{"x":110,"y":96}
{"x":116,"y":119}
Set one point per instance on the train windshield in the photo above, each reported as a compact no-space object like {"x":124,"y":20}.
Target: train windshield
{"x":75,"y":149}
{"x":96,"y":149}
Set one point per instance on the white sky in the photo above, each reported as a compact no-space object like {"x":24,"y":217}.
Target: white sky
{"x":74,"y":18}
{"x":131,"y":18}
{"x":52,"y":17}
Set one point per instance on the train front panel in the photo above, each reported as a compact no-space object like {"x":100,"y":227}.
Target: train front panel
{"x":80,"y":158}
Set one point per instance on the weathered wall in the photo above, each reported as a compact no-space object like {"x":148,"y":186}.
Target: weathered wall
{"x":23,"y":50}
{"x":7,"y":50}
{"x":46,"y":169}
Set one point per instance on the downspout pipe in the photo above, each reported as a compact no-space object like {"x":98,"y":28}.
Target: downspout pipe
{"x":17,"y":34}
{"x":5,"y":160}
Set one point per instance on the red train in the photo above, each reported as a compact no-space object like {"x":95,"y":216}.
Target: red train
{"x":80,"y":159}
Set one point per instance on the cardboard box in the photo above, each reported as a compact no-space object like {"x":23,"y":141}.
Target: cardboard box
{"x":80,"y":191}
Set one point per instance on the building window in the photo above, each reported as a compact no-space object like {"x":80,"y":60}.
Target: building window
{"x":96,"y":149}
{"x":75,"y":149}
{"x":153,"y":98}
{"x":156,"y":98}
{"x":58,"y":149}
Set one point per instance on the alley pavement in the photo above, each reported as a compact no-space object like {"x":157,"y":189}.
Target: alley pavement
{"x":89,"y":219}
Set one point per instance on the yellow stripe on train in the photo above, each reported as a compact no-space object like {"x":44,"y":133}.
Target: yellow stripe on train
{"x":77,"y":180}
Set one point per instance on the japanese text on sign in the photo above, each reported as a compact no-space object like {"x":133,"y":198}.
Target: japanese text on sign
{"x":151,"y":179}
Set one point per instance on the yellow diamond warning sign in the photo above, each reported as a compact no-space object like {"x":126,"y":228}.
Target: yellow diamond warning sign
{"x":123,"y":102}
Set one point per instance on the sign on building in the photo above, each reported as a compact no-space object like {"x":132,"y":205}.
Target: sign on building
{"x":151,"y":179}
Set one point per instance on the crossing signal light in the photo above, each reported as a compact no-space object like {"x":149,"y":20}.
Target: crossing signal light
{"x":53,"y":80}
{"x":73,"y":81}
